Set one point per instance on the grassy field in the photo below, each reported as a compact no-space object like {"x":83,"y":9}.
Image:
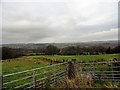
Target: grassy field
{"x":21,"y":64}
{"x":30,"y":62}
{"x":79,"y":57}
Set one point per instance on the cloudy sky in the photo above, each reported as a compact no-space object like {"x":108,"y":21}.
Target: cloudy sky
{"x":56,"y":21}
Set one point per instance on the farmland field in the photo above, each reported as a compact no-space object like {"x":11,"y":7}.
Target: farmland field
{"x":29,"y":62}
{"x":79,"y":57}
{"x":21,"y":64}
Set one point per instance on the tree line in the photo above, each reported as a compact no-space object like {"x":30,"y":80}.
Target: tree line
{"x":8,"y":53}
{"x":77,"y":50}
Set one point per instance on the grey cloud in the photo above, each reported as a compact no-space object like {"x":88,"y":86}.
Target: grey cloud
{"x":58,"y":22}
{"x":104,"y":35}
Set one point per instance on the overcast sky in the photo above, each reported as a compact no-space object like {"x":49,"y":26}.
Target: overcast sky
{"x":56,"y":21}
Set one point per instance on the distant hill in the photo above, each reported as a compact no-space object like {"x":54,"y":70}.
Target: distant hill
{"x":62,"y":45}
{"x":87,"y":44}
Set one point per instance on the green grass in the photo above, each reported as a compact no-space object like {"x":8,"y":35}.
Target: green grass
{"x":21,"y":64}
{"x":30,"y":62}
{"x":78,"y":57}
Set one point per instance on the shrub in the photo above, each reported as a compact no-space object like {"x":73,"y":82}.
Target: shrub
{"x":80,"y":81}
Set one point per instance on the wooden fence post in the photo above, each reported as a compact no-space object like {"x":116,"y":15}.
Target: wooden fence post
{"x":51,"y":62}
{"x":71,"y":70}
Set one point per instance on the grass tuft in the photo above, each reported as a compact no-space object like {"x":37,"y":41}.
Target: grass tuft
{"x":80,"y":81}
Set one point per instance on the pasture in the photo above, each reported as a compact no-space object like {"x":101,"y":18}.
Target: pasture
{"x":21,"y":64}
{"x":84,"y":58}
{"x":31,"y":62}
